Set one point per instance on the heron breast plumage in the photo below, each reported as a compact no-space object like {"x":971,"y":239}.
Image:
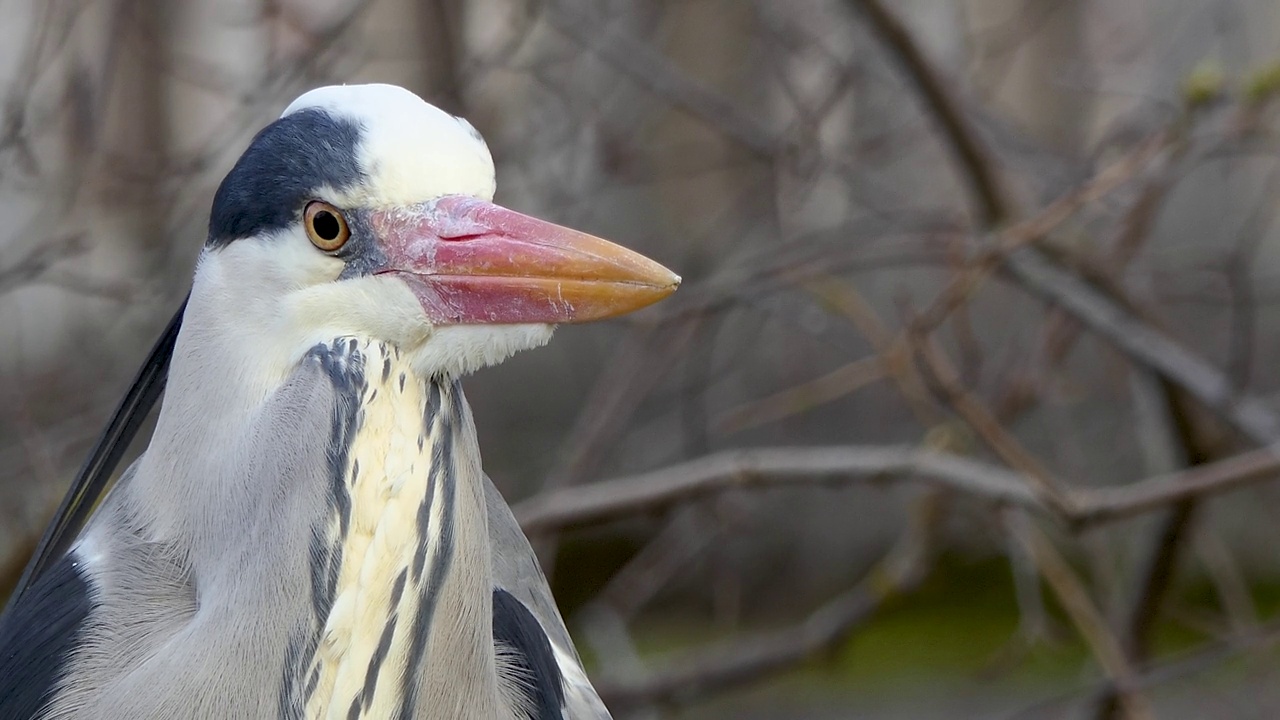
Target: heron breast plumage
{"x":385,"y":556}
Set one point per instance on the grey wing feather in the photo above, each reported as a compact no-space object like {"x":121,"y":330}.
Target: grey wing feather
{"x":516,"y":570}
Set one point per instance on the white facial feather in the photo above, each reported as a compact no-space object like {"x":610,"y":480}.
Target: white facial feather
{"x":288,"y":299}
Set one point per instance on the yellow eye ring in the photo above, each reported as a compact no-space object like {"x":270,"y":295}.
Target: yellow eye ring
{"x":326,"y":227}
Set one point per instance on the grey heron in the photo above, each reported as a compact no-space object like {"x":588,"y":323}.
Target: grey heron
{"x":309,"y":533}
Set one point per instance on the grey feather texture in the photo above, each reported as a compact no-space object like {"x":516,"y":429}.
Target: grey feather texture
{"x":174,"y":634}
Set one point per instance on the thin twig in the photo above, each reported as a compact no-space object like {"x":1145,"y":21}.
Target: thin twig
{"x":1061,"y":330}
{"x":995,"y":253}
{"x":1192,"y":662}
{"x":1106,"y":647}
{"x":743,"y":661}
{"x":638,"y":61}
{"x":1146,"y":345}
{"x":994,"y":206}
{"x":983,"y":422}
{"x":1085,"y":616}
{"x":845,"y":299}
{"x":832,"y":386}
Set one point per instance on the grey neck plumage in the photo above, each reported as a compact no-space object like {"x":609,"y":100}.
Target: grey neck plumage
{"x":350,"y":524}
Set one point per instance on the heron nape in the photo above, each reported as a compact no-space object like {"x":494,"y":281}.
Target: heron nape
{"x":310,"y":533}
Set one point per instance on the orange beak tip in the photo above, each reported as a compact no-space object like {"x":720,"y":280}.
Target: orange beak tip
{"x":470,"y":261}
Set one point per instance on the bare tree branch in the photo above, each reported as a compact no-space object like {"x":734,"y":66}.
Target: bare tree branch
{"x":994,"y":254}
{"x":983,"y":422}
{"x":639,"y":62}
{"x":832,"y":386}
{"x":993,"y":205}
{"x":1093,"y":628}
{"x":1146,"y":345}
{"x":1185,"y":664}
{"x":743,"y":661}
{"x":839,"y":465}
{"x":1102,"y":504}
{"x":764,"y":467}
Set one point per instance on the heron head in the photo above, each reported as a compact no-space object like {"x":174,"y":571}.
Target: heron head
{"x":364,"y":210}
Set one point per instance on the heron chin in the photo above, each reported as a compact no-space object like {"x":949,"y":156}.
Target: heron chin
{"x":310,"y":533}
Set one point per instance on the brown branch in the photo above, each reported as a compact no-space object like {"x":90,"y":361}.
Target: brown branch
{"x":839,"y":465}
{"x":765,"y":467}
{"x":1060,"y":329}
{"x":739,"y":662}
{"x":984,"y":422}
{"x":994,"y":206}
{"x":844,"y":298}
{"x":1145,"y":345}
{"x":1103,"y":504}
{"x":1153,"y":583}
{"x":1089,"y":621}
{"x":1105,"y":646}
{"x":994,"y":254}
{"x":832,"y":386}
{"x":647,"y":68}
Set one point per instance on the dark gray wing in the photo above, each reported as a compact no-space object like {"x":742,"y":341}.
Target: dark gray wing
{"x":522,"y":598}
{"x":37,"y":636}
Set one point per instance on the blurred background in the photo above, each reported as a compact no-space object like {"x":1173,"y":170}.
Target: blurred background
{"x":963,"y":410}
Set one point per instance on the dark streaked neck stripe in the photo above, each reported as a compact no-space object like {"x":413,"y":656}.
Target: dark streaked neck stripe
{"x":344,"y":364}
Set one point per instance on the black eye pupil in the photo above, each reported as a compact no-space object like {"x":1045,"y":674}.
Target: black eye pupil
{"x":326,"y":225}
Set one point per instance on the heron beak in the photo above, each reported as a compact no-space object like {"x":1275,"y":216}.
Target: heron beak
{"x":469,"y":262}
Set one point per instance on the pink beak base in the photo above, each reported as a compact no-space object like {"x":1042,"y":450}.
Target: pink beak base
{"x":472,"y":262}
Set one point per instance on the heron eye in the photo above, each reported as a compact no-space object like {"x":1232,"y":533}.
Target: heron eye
{"x":326,"y":227}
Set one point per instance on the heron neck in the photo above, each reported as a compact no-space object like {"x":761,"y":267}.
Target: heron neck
{"x":410,"y":543}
